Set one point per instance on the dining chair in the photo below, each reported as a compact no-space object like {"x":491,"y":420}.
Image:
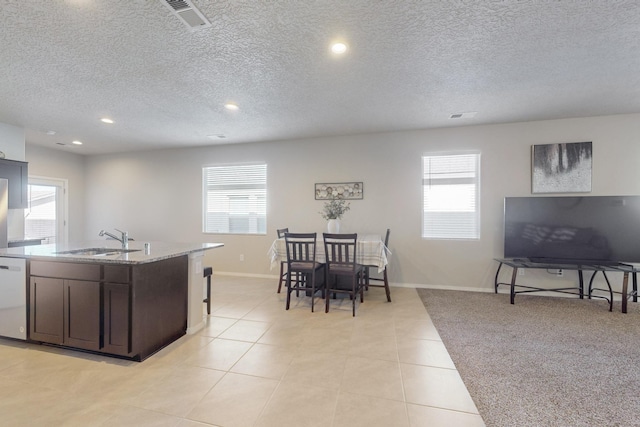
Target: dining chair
{"x":283,"y":274}
{"x":341,"y":261}
{"x":302,"y":265}
{"x":384,"y":279}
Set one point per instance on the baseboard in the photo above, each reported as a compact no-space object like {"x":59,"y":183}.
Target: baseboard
{"x":234,"y":274}
{"x":192,"y":330}
{"x":439,"y":287}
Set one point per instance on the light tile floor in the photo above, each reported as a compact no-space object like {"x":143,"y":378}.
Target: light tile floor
{"x":254,"y":364}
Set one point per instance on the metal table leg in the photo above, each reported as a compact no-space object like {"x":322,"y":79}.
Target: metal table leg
{"x":593,"y":276}
{"x":625,"y":285}
{"x":604,"y":273}
{"x":581,"y":284}
{"x":495,"y":281}
{"x":513,"y":284}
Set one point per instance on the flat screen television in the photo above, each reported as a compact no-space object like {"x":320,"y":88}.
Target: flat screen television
{"x":592,"y":229}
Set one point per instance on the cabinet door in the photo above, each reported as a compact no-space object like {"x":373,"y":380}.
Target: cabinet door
{"x":16,"y":173}
{"x":82,"y":314}
{"x":46,"y":310}
{"x":117,"y":319}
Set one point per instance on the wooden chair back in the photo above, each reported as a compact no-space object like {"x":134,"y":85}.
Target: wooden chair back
{"x":301,"y":247}
{"x":281,"y":232}
{"x":340,"y":251}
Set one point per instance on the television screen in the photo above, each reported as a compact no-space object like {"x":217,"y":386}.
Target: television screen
{"x":593,"y":229}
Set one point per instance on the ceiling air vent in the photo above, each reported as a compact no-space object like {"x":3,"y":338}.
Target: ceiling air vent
{"x":467,"y":115}
{"x":187,"y":12}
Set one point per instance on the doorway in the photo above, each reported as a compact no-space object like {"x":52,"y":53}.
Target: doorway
{"x":46,"y":215}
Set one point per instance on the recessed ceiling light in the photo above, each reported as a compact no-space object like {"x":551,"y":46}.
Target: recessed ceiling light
{"x":76,"y":142}
{"x":106,"y":120}
{"x":217,"y":136}
{"x":338,"y":48}
{"x":51,"y":132}
{"x":231,"y":106}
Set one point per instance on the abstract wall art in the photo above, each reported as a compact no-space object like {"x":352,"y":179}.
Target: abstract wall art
{"x":340,"y":190}
{"x":561,"y":168}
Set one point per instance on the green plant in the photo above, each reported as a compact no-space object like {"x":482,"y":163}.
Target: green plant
{"x":334,"y":209}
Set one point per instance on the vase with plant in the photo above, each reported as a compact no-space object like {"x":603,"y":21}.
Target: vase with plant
{"x":332,"y":212}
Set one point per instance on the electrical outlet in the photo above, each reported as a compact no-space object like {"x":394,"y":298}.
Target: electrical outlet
{"x":521,"y":272}
{"x":559,"y":273}
{"x":241,"y":257}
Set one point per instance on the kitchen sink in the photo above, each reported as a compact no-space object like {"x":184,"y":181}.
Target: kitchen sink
{"x":97,"y":251}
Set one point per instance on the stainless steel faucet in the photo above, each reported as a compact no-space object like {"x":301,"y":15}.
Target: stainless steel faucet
{"x":124,"y":238}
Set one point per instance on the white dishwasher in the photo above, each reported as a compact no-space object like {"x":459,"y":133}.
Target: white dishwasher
{"x":13,"y":298}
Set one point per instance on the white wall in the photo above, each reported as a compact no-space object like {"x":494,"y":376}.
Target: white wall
{"x":156,"y":195}
{"x":45,"y":162}
{"x":12,"y":142}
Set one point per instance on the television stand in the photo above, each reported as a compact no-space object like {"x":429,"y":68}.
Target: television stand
{"x":522,"y":263}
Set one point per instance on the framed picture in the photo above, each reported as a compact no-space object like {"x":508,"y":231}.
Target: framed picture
{"x":561,"y":168}
{"x":339,"y":190}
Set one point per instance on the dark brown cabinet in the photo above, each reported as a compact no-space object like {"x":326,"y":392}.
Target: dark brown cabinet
{"x":65,"y":304}
{"x":16,"y":173}
{"x":82,"y":314}
{"x":116,"y":309}
{"x":46,"y":310}
{"x":65,"y":312}
{"x":117,"y":319}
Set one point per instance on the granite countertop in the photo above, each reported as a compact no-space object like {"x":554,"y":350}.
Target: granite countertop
{"x":157,"y":251}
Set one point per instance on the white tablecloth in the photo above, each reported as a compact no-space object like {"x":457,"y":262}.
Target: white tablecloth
{"x":371,"y":251}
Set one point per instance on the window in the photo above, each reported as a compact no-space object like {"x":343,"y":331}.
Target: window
{"x":235,"y":199}
{"x":451,"y":196}
{"x":45,"y":217}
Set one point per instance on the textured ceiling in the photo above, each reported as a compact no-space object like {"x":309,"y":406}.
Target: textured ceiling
{"x":410,"y":65}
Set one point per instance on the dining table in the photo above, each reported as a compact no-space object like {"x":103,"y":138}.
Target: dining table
{"x":371,"y":250}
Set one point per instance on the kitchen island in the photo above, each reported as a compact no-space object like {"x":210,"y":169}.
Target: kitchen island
{"x":100,"y":297}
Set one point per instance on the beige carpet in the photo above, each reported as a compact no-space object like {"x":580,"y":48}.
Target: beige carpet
{"x":544,"y":361}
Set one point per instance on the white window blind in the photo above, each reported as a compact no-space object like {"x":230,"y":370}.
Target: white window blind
{"x":451,"y":196}
{"x":235,"y":199}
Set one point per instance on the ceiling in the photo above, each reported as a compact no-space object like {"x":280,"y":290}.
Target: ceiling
{"x":410,"y":64}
